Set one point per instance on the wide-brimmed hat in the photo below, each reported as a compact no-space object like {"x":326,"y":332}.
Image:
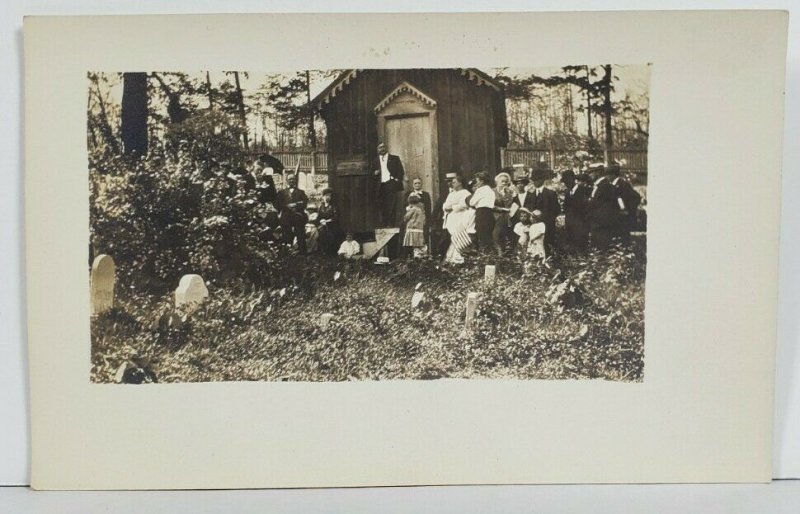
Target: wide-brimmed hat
{"x":613,"y":169}
{"x":568,"y":174}
{"x":450,"y":176}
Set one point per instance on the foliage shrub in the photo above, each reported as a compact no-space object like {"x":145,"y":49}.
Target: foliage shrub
{"x":167,"y":215}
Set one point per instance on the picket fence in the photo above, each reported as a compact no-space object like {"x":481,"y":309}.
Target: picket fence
{"x":635,"y":160}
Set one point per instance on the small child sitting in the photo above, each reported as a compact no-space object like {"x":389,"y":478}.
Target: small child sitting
{"x":522,"y":230}
{"x":415,"y":223}
{"x":349,"y":248}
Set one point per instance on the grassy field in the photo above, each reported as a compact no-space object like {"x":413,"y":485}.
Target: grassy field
{"x":580,"y":318}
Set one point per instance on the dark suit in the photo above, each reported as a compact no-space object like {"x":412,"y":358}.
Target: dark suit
{"x":631,"y":199}
{"x":528,"y":205}
{"x":576,"y":217}
{"x":387,"y":191}
{"x":604,"y":213}
{"x":291,"y":206}
{"x":547,"y":203}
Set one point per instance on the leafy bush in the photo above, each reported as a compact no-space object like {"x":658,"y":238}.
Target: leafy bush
{"x":165,"y":216}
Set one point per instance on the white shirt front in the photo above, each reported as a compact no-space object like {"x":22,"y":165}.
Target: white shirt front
{"x":521,"y":197}
{"x":539,"y":190}
{"x":385,"y":175}
{"x":573,"y":190}
{"x":349,"y":248}
{"x":483,"y":197}
{"x":597,"y":183}
{"x":619,"y":199}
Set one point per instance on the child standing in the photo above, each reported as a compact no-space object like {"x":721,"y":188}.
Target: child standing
{"x":415,"y":224}
{"x":536,"y":234}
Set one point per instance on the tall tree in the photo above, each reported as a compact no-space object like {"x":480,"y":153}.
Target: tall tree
{"x":608,"y":110}
{"x":134,"y":114}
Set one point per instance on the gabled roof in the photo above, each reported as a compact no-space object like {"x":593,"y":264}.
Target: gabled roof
{"x":343,"y":80}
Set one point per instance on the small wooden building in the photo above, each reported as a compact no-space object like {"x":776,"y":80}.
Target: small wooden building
{"x":436,"y":120}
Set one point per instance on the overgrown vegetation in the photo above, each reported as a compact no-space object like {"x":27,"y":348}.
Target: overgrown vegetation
{"x":580,"y":318}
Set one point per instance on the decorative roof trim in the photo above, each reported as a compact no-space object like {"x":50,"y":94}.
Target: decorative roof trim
{"x":336,"y":87}
{"x":479,"y":78}
{"x":472,"y":74}
{"x":404,"y":87}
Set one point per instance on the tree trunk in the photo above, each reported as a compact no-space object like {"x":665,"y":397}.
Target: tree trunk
{"x":312,"y":133}
{"x":607,"y":110}
{"x":589,"y":133}
{"x":134,"y":114}
{"x":210,"y":92}
{"x":241,"y":109}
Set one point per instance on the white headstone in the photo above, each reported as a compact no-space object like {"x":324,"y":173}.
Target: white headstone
{"x":102,"y":283}
{"x":191,"y":292}
{"x":416,"y":299}
{"x":472,"y":306}
{"x":489,"y":272}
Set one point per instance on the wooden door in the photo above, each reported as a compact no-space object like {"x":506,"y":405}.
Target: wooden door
{"x":409,"y":137}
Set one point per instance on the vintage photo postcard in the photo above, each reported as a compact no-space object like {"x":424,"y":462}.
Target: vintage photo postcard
{"x":508,"y":248}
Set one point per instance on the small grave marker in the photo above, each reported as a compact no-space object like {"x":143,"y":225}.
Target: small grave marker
{"x":102,"y":283}
{"x":489,"y":272}
{"x":472,"y":306}
{"x":191,"y":292}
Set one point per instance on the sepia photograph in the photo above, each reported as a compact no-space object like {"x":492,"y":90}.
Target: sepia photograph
{"x":368,"y":224}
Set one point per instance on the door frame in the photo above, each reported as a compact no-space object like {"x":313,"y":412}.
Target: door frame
{"x":424,"y":106}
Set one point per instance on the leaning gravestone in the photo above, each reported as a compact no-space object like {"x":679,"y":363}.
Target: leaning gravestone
{"x":191,"y":293}
{"x":102,"y":283}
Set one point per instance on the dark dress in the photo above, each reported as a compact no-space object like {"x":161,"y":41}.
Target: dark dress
{"x":604,"y":214}
{"x":328,"y":231}
{"x":547,"y":203}
{"x":576,"y":218}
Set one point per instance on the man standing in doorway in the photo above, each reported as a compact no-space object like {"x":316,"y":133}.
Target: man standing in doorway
{"x":389,"y":170}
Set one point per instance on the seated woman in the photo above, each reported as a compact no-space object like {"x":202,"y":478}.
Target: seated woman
{"x":312,"y":229}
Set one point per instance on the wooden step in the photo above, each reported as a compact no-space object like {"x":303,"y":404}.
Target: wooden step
{"x":382,"y":237}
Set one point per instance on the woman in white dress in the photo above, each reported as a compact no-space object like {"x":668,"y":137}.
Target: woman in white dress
{"x":459,"y":221}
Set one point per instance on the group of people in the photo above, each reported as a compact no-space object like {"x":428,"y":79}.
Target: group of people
{"x":515,"y":213}
{"x":599,"y":208}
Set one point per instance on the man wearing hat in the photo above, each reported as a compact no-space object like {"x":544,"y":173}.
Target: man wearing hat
{"x":389,"y":170}
{"x":628,"y":200}
{"x":522,"y":199}
{"x":576,"y":212}
{"x":604,"y":209}
{"x":546,"y":201}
